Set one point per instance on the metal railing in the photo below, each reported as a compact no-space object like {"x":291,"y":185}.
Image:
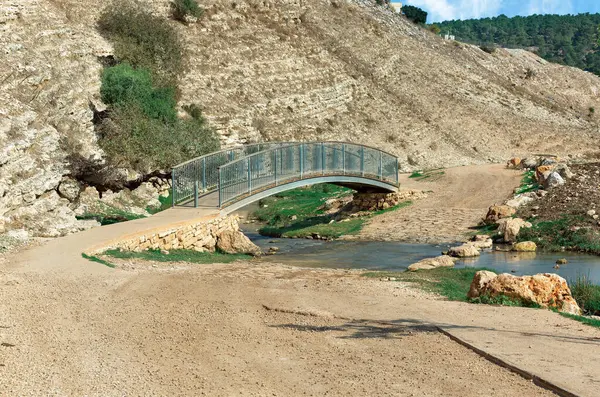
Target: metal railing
{"x":201,"y":174}
{"x":279,"y":165}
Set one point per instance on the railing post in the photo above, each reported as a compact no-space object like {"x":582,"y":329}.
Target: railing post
{"x":344,"y":158}
{"x":397,"y":170}
{"x":196,"y":193}
{"x":204,"y":174}
{"x":173,"y":187}
{"x":275,"y":167}
{"x":380,"y":165}
{"x":249,"y":175}
{"x":362,"y":161}
{"x":323,"y":158}
{"x":220,"y":189}
{"x":301,"y":149}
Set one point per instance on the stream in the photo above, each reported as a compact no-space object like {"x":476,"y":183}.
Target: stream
{"x":397,"y":256}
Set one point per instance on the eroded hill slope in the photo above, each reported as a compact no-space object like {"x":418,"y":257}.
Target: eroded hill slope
{"x":271,"y":70}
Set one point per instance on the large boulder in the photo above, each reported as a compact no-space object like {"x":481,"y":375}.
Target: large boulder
{"x":432,"y":263}
{"x":529,"y":163}
{"x":553,"y":180}
{"x":525,"y":246}
{"x":546,"y":290}
{"x":69,"y":189}
{"x":497,"y":212}
{"x":509,"y":228}
{"x":236,"y":242}
{"x":482,"y":241}
{"x":521,"y":199}
{"x":464,"y":251}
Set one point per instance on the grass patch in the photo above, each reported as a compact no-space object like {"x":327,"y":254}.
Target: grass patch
{"x":165,"y":203}
{"x":585,"y":320}
{"x":528,"y":183}
{"x":178,"y":256}
{"x":430,"y":175}
{"x":94,"y":258}
{"x":586,"y":294}
{"x":110,"y":215}
{"x":305,"y":204}
{"x":563,"y":232}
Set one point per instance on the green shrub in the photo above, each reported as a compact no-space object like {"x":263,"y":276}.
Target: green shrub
{"x":586,"y":294}
{"x":132,"y":139}
{"x":490,"y":49}
{"x":182,"y":8}
{"x":415,"y":14}
{"x":123,"y":85}
{"x":143,"y":40}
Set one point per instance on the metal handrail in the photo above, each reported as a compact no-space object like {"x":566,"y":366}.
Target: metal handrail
{"x":239,"y":178}
{"x":200,"y":174}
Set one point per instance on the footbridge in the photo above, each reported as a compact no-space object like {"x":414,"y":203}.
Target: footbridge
{"x":232,"y":178}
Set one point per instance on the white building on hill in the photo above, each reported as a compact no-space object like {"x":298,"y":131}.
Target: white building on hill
{"x":396,"y":6}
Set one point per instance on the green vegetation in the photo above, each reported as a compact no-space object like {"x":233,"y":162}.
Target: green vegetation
{"x":431,"y":175}
{"x":180,"y":9}
{"x":107,"y":215}
{"x":94,"y":258}
{"x":300,"y":213}
{"x":142,"y":131}
{"x":585,"y":320}
{"x":178,"y":256}
{"x":165,"y":203}
{"x":143,"y":40}
{"x":564,"y":232}
{"x":566,"y":39}
{"x":586,"y":294}
{"x":528,"y":183}
{"x":415,"y":14}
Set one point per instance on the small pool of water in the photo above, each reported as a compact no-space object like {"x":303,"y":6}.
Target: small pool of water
{"x":381,"y":255}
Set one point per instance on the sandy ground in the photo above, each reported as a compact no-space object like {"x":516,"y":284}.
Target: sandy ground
{"x":220,"y":330}
{"x":457,"y":202}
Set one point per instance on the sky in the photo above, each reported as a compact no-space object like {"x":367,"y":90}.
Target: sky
{"x":442,"y":10}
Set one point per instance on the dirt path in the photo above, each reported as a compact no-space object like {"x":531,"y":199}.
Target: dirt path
{"x":457,"y":201}
{"x":248,"y":329}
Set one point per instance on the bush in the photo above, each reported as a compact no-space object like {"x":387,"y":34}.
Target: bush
{"x":415,"y":14}
{"x":143,"y":40}
{"x":182,"y":8}
{"x":586,"y":294}
{"x":132,"y":139}
{"x":122,"y":85}
{"x":490,"y":49}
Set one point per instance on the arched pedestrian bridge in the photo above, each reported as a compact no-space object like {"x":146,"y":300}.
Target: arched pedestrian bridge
{"x":232,"y":178}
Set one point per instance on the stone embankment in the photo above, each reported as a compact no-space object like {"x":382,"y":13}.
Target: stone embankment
{"x":546,"y":290}
{"x":383,"y":201}
{"x":222,"y":234}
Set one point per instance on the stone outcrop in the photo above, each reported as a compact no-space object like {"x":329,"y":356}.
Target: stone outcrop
{"x":546,"y":290}
{"x":204,"y":236}
{"x":379,"y":201}
{"x":509,"y":228}
{"x":432,"y":263}
{"x":525,"y":246}
{"x":497,"y":212}
{"x":482,"y":241}
{"x":464,"y":251}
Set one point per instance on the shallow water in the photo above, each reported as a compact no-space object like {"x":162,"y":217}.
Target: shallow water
{"x":381,"y":255}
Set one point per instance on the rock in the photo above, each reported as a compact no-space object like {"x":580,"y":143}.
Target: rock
{"x":69,"y":189}
{"x":548,"y":161}
{"x":564,"y":171}
{"x":235,"y":242}
{"x":273,"y":249}
{"x":562,"y":261}
{"x":294,"y":217}
{"x":515,"y":162}
{"x":553,"y":180}
{"x":480,"y":282}
{"x":521,"y":199}
{"x":482,"y":241}
{"x":509,"y":228}
{"x":164,"y":252}
{"x":529,"y":163}
{"x":464,"y":251}
{"x":525,"y":246}
{"x":591,"y":212}
{"x":432,"y":263}
{"x":497,"y":212}
{"x":546,"y":290}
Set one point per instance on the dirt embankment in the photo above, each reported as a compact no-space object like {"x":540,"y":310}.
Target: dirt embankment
{"x":458,"y":199}
{"x":220,"y":330}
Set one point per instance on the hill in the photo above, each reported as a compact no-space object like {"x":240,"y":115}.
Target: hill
{"x":281,"y":70}
{"x":571,"y":40}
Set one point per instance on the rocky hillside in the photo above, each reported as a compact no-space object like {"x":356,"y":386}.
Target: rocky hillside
{"x":269,"y":70}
